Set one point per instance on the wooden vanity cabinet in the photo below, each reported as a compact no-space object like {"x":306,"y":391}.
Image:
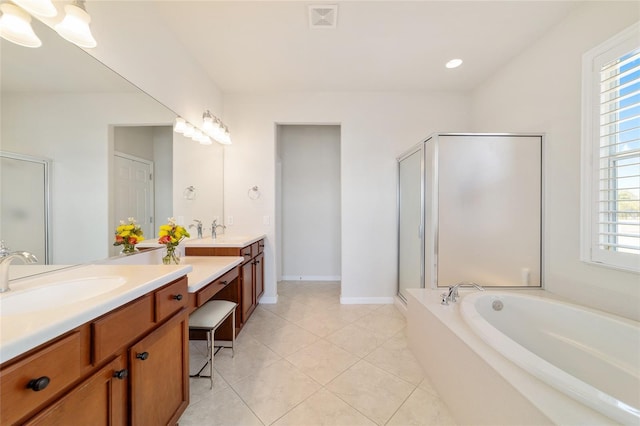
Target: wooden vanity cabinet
{"x":250,"y":285}
{"x":129,"y":366}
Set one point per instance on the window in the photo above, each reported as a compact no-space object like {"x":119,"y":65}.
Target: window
{"x":611,"y":152}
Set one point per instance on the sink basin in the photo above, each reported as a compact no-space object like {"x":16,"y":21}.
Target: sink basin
{"x":56,"y":295}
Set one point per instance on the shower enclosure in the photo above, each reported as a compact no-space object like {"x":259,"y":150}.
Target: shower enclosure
{"x":470,"y":210}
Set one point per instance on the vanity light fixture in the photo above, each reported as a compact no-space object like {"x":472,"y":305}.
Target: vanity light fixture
{"x":454,"y":63}
{"x":205,"y":140}
{"x":44,"y":8}
{"x":180,"y":126}
{"x":15,"y":26}
{"x":197,"y":135}
{"x":209,"y":122}
{"x":188,"y":132}
{"x":75,"y":25}
{"x":225,"y":137}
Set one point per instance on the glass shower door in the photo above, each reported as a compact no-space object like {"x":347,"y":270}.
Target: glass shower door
{"x":410,"y":221}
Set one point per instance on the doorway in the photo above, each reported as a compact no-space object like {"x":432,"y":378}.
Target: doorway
{"x":308,"y":203}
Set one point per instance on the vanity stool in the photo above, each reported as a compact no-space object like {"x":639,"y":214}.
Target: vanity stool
{"x":209,"y":317}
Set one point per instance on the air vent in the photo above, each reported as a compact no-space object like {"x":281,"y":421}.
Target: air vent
{"x":323,"y":16}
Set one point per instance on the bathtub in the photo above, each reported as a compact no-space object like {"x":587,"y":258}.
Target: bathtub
{"x":522,"y":357}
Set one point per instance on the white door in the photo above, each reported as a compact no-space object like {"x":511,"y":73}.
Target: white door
{"x":133,"y":195}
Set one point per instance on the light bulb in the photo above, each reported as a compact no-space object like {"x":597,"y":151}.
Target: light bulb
{"x":180,"y":125}
{"x":454,"y":63}
{"x":188,"y":132}
{"x":15,"y":26}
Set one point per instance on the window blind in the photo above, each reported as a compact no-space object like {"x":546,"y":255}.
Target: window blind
{"x":619,"y":155}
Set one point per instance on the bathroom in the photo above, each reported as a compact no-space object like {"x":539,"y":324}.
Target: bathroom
{"x":378,"y":124}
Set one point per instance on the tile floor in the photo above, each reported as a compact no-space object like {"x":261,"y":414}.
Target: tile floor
{"x":308,"y":360}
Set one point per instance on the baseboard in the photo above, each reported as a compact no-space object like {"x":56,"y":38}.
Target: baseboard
{"x":311,"y":278}
{"x":268,"y":300}
{"x":366,"y":300}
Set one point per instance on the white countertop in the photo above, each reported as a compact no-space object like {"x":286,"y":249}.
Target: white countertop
{"x":208,"y":268}
{"x":223,"y":240}
{"x":21,"y":332}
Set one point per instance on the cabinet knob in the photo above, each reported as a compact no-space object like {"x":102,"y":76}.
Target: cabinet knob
{"x":224,"y":282}
{"x":142,"y":356}
{"x":121,"y":374}
{"x":178,"y":297}
{"x":38,"y":384}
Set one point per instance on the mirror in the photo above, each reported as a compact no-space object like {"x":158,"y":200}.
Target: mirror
{"x":61,"y":105}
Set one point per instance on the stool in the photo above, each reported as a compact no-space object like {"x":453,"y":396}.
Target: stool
{"x":209,"y":317}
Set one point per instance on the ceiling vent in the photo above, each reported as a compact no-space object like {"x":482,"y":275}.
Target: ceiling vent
{"x":323,"y":16}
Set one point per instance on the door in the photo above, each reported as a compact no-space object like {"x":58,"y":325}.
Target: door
{"x":259,"y":276}
{"x":24,"y":219}
{"x":410,"y":218}
{"x":159,"y":374}
{"x":133,"y":195}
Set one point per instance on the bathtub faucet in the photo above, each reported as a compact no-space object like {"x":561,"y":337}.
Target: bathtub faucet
{"x":452,"y":292}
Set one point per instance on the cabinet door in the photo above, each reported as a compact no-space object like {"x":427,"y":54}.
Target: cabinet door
{"x":159,"y":374}
{"x":99,"y":400}
{"x":259,"y":275}
{"x":248,"y":287}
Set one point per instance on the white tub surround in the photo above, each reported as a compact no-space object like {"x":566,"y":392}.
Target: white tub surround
{"x":479,"y":384}
{"x":20,"y":332}
{"x":207,"y":269}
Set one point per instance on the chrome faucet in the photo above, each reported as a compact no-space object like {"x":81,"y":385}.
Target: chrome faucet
{"x":198,"y":227}
{"x":452,"y":292}
{"x":214,"y":227}
{"x":5,"y":259}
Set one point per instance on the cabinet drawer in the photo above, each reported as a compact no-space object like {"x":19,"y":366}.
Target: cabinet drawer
{"x":121,"y":327}
{"x":210,"y":290}
{"x":61,"y":363}
{"x":171,"y":299}
{"x":247,"y":253}
{"x":260,"y":246}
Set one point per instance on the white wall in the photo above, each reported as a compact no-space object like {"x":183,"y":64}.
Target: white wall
{"x":539,"y":91}
{"x":134,"y":140}
{"x":376,"y":128}
{"x":310,"y":215}
{"x":200,"y":166}
{"x":163,"y":173}
{"x":79,"y":145}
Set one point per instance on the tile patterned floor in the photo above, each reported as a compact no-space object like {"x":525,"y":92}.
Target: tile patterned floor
{"x":308,"y":360}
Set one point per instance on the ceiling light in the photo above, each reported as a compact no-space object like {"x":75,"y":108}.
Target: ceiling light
{"x":454,"y":63}
{"x":180,"y":126}
{"x":15,"y":26}
{"x":44,"y":8}
{"x":75,"y":25}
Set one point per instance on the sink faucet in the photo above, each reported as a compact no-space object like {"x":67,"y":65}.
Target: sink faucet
{"x":214,"y":227}
{"x":6,"y":259}
{"x":198,"y":227}
{"x":452,"y":292}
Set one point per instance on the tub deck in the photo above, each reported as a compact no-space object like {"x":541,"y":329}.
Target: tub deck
{"x":479,"y":385}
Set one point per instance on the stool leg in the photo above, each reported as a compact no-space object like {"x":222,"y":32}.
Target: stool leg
{"x":233,"y":333}
{"x":210,"y":347}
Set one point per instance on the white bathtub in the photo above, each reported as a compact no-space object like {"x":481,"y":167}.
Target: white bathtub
{"x":588,"y":355}
{"x":569,"y":365}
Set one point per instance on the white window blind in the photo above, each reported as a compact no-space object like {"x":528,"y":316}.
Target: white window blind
{"x":613,"y":140}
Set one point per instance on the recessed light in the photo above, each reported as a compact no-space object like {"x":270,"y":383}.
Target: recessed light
{"x":454,"y":63}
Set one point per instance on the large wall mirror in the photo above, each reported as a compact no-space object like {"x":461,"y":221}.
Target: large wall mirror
{"x":61,"y":106}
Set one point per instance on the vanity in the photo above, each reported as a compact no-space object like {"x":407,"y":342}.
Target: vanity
{"x":108,"y":343}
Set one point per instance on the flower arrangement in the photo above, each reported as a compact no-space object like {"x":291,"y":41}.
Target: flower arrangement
{"x":170,"y":235}
{"x":128,"y":235}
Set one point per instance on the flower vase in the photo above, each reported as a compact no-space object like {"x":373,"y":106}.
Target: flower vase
{"x":171,"y":256}
{"x":128,"y":249}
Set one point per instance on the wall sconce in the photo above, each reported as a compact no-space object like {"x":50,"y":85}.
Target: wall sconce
{"x":212,"y":128}
{"x":75,"y":25}
{"x":15,"y":23}
{"x":15,"y":26}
